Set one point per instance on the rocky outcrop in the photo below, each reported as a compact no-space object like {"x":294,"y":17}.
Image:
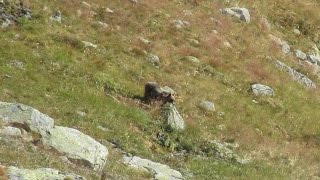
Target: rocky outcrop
{"x":314,"y":59}
{"x":26,"y":116}
{"x":260,"y":89}
{"x":77,"y":146}
{"x":172,"y":116}
{"x":241,"y":13}
{"x":300,"y":55}
{"x":159,"y":171}
{"x":301,"y":78}
{"x":14,"y":173}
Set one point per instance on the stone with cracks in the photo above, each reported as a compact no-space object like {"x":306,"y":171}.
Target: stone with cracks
{"x":77,"y":146}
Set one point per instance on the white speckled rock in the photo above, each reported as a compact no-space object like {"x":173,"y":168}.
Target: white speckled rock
{"x":159,"y":171}
{"x":77,"y":146}
{"x":14,"y":173}
{"x":260,"y":89}
{"x":11,"y":113}
{"x":241,"y":13}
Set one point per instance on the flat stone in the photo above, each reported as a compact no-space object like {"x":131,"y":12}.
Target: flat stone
{"x":77,"y":146}
{"x":159,"y":171}
{"x":241,"y":13}
{"x":260,"y":89}
{"x":13,"y":113}
{"x":14,"y":173}
{"x":207,"y":106}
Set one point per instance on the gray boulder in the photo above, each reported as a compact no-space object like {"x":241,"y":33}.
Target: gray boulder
{"x":283,"y":44}
{"x":260,"y":89}
{"x":155,"y":60}
{"x":314,"y":59}
{"x":77,"y":146}
{"x":159,"y":171}
{"x":241,"y":13}
{"x":56,"y":16}
{"x":207,"y":106}
{"x":172,"y":116}
{"x":301,"y":78}
{"x":300,"y":55}
{"x":30,"y":118}
{"x":14,"y":173}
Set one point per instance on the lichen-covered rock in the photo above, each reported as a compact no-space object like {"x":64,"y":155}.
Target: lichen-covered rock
{"x":207,"y":106}
{"x":172,"y":116}
{"x":260,"y":89}
{"x":13,"y":113}
{"x":301,"y":78}
{"x":159,"y":171}
{"x":77,"y":146}
{"x":14,"y":173}
{"x":300,"y":55}
{"x":241,"y":13}
{"x":10,"y":131}
{"x":154,"y":59}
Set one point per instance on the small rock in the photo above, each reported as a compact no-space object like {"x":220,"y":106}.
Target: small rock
{"x":241,"y":13}
{"x":172,"y":116}
{"x":300,"y":55}
{"x":89,"y":44}
{"x":155,"y":60}
{"x":102,"y":24}
{"x":179,"y":24}
{"x":6,"y":24}
{"x":297,"y":32}
{"x":56,"y":16}
{"x":191,"y":59}
{"x":108,"y":10}
{"x":81,"y":113}
{"x":227,"y":44}
{"x":10,"y":131}
{"x":260,"y":89}
{"x":266,"y":23}
{"x":144,"y":41}
{"x":159,"y":171}
{"x":87,"y":5}
{"x":102,"y":128}
{"x":17,"y":64}
{"x":167,"y":90}
{"x":194,"y":42}
{"x":207,"y":106}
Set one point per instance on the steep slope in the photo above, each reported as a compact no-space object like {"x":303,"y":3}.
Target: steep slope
{"x":87,"y":70}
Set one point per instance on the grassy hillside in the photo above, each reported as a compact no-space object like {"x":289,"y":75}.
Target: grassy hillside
{"x":60,"y":76}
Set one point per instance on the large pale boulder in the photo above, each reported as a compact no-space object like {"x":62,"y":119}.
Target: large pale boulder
{"x":14,"y":173}
{"x":241,"y":13}
{"x":77,"y":146}
{"x":172,"y":116}
{"x":260,"y":89}
{"x":30,"y":118}
{"x":159,"y":171}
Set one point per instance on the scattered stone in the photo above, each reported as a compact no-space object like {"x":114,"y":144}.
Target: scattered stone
{"x":241,"y":13}
{"x":77,"y":146}
{"x":81,"y":113}
{"x":194,"y":42}
{"x":300,"y":55}
{"x":155,"y":60}
{"x":167,"y":90}
{"x":215,"y":32}
{"x":14,"y":173}
{"x":144,"y":41}
{"x":260,"y":89}
{"x":283,"y":44}
{"x":266,"y":23}
{"x":10,"y":131}
{"x":25,"y":116}
{"x":87,"y":5}
{"x":102,"y":24}
{"x":314,"y":59}
{"x":108,"y":10}
{"x":191,"y":59}
{"x":297,"y":32}
{"x":6,"y":24}
{"x":226,"y":44}
{"x":17,"y":64}
{"x":89,"y":44}
{"x":172,"y":116}
{"x":301,"y":78}
{"x":56,"y":16}
{"x":103,"y":128}
{"x":207,"y":106}
{"x":179,"y":24}
{"x":158,"y":171}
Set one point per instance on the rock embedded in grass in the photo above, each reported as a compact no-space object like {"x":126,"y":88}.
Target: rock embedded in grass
{"x":154,"y":59}
{"x":241,"y":13}
{"x":300,"y":55}
{"x":159,"y":171}
{"x":260,"y":89}
{"x":207,"y":106}
{"x":314,"y":59}
{"x":56,"y":16}
{"x":283,"y":44}
{"x":172,"y":116}
{"x":191,"y":59}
